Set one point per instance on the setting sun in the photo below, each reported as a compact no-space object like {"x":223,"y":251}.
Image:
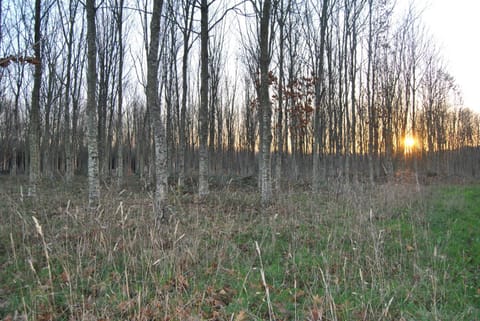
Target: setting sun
{"x":409,"y":143}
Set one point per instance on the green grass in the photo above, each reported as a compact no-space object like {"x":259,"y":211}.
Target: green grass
{"x":383,"y":253}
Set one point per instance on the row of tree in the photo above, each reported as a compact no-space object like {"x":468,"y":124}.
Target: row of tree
{"x":180,"y":88}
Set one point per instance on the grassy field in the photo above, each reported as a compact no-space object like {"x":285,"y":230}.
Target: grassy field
{"x":348,"y":253}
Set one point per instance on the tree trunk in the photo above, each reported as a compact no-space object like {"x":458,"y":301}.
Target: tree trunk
{"x":370,"y":97}
{"x":161,"y":187}
{"x":279,"y":128}
{"x":317,"y":136}
{"x":34,"y":139}
{"x":119,"y":18}
{"x":93,"y":179}
{"x":265,"y":106}
{"x":68,"y":138}
{"x":187,"y":30}
{"x":203,"y":113}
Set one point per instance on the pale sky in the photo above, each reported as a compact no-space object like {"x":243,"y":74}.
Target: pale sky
{"x":455,"y":26}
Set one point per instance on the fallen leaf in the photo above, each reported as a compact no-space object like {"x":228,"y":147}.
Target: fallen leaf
{"x":125,"y":306}
{"x":181,"y":283}
{"x":241,"y":316}
{"x":317,"y":314}
{"x":65,"y":277}
{"x":299,"y":294}
{"x":317,"y":300}
{"x":10,"y":318}
{"x":46,"y":316}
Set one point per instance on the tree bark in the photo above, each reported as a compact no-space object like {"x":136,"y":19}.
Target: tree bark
{"x":203,"y":112}
{"x":265,"y":105}
{"x":68,"y":138}
{"x":187,"y":30}
{"x":119,"y":20}
{"x":34,"y":137}
{"x":281,"y":76}
{"x":319,"y":83}
{"x":161,"y":173}
{"x":92,"y":137}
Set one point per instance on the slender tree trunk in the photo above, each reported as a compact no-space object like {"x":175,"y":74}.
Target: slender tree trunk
{"x":370,"y":96}
{"x":353,"y":68}
{"x":34,"y":139}
{"x":415,"y":149}
{"x":120,"y":152}
{"x":183,"y":114}
{"x":46,"y":145}
{"x":77,"y":84}
{"x":93,"y":179}
{"x":203,"y":112}
{"x":317,"y":136}
{"x":161,"y":173}
{"x":348,"y":126}
{"x":68,"y":138}
{"x":16,"y":126}
{"x":265,"y":106}
{"x":279,"y":129}
{"x":187,"y":30}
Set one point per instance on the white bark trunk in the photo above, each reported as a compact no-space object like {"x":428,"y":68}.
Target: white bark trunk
{"x":93,"y":179}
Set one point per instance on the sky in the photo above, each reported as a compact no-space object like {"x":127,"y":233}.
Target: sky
{"x":455,"y":27}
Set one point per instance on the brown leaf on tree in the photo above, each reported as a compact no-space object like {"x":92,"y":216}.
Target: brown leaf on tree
{"x":5,"y":61}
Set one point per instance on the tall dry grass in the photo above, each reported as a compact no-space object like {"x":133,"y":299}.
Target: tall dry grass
{"x":351,"y":252}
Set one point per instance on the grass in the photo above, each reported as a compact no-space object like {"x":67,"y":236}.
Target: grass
{"x":348,"y":253}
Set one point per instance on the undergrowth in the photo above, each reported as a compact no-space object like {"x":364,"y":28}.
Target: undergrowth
{"x":348,"y":253}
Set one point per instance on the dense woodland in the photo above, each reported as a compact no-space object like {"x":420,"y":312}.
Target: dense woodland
{"x":180,"y":91}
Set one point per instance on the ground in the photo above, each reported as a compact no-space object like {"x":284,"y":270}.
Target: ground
{"x":389,"y":252}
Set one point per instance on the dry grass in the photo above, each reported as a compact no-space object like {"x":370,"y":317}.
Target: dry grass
{"x":348,"y":253}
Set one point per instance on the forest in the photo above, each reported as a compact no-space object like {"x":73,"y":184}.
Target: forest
{"x":345,"y":85}
{"x":145,"y":126}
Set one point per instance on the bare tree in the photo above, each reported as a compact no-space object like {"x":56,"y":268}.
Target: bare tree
{"x":319,"y":94}
{"x":161,"y":173}
{"x":203,"y":112}
{"x":264,"y":102}
{"x":34,"y":137}
{"x":118,"y":15}
{"x":93,"y":179}
{"x":186,"y":29}
{"x":282,"y":13}
{"x":107,"y":61}
{"x":372,"y":117}
{"x":216,"y":70}
{"x":68,"y":29}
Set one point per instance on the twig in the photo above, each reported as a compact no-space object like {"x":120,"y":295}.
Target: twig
{"x":267,"y":291}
